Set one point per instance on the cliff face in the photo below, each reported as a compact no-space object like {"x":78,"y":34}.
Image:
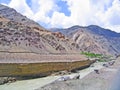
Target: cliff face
{"x":94,"y":39}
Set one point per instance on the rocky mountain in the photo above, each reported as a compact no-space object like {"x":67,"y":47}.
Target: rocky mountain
{"x":13,"y":15}
{"x":93,"y":39}
{"x":20,"y":34}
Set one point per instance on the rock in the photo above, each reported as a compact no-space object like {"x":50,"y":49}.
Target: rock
{"x":61,"y":73}
{"x":64,"y":72}
{"x":97,"y":71}
{"x":4,"y":80}
{"x":111,"y":62}
{"x":105,"y":65}
{"x":11,"y":79}
{"x":63,"y":78}
{"x":76,"y":77}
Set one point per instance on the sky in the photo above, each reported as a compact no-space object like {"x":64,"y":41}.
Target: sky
{"x":67,"y":13}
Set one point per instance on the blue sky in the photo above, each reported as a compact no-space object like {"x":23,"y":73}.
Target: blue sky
{"x":4,"y":1}
{"x":63,"y":7}
{"x":66,"y":13}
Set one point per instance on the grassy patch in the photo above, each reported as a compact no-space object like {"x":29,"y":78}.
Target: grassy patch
{"x":92,"y":55}
{"x":99,"y":57}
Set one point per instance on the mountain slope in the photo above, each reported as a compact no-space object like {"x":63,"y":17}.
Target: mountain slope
{"x":17,"y":35}
{"x":20,"y":34}
{"x":13,"y":15}
{"x":94,"y":39}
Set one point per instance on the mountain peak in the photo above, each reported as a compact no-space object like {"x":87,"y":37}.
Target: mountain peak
{"x":13,"y":15}
{"x":75,"y":27}
{"x":93,"y":26}
{"x":96,"y":30}
{"x":101,"y":31}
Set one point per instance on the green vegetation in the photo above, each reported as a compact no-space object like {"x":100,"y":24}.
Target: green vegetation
{"x":92,"y":55}
{"x":40,"y":69}
{"x":99,"y":57}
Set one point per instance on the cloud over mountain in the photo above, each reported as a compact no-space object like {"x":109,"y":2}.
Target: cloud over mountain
{"x":104,"y":13}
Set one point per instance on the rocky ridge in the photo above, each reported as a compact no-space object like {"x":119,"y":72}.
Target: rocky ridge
{"x":93,"y":39}
{"x":13,"y":15}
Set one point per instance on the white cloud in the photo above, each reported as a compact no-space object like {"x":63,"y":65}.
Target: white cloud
{"x":104,"y":13}
{"x":60,"y":20}
{"x":44,"y":8}
{"x":39,"y":11}
{"x":78,"y":11}
{"x":22,"y":7}
{"x":114,"y":28}
{"x":111,"y":17}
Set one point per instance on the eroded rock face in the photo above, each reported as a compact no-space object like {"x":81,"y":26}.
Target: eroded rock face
{"x":93,"y":39}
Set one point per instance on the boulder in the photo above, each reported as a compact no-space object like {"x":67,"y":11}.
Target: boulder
{"x":4,"y":80}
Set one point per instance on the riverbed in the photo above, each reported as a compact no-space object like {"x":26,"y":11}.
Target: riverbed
{"x":33,"y":84}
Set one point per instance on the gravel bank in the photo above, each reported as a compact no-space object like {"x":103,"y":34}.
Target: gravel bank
{"x":93,"y":81}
